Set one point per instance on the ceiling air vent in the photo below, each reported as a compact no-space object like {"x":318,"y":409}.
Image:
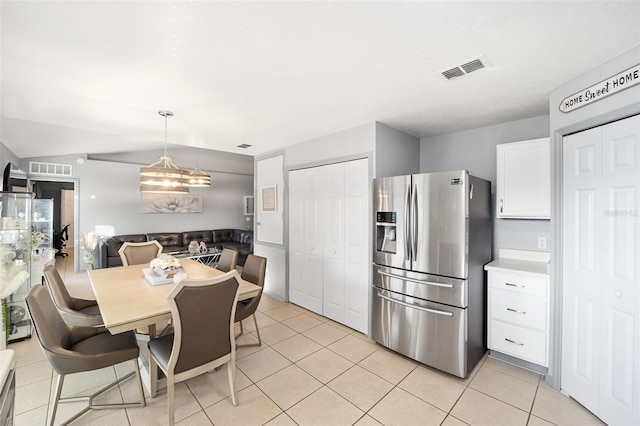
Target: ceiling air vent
{"x":453,"y":73}
{"x":472,"y":66}
{"x":244,"y":145}
{"x":466,"y":68}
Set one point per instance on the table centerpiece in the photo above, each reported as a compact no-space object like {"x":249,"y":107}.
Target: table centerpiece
{"x":166,"y":265}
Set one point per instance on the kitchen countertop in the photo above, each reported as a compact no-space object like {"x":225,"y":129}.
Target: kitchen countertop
{"x":534,"y":263}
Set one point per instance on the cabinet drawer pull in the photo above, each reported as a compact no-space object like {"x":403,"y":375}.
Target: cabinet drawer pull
{"x":515,"y":285}
{"x":514,"y":342}
{"x":516,"y":311}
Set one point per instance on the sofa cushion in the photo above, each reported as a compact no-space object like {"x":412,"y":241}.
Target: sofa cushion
{"x":199,"y":236}
{"x":170,"y":241}
{"x":222,"y":235}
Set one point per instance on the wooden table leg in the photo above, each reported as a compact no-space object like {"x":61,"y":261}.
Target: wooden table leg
{"x":153,"y":368}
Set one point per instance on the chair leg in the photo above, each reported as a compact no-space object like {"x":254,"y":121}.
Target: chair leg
{"x":171,"y":400}
{"x":59,"y":383}
{"x":90,"y":398}
{"x":231,"y":373}
{"x":255,"y":321}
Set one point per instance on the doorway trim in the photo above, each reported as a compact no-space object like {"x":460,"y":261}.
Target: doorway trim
{"x":76,"y":215}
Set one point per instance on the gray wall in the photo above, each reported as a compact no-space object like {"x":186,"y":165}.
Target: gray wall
{"x":475,"y":150}
{"x":620,"y":105}
{"x":396,"y":152}
{"x":354,"y":141}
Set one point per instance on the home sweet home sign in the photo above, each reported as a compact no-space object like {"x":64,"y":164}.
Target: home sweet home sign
{"x":608,"y":87}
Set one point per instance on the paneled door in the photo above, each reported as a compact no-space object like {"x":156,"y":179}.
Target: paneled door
{"x":601,"y":270}
{"x":334,"y":229}
{"x":357,"y":246}
{"x":305,"y":239}
{"x":329,"y":241}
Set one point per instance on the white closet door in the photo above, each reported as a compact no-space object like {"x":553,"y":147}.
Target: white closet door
{"x":601,"y":275}
{"x":357,"y":247}
{"x":582,"y":238}
{"x":305,"y":239}
{"x":333,"y":244}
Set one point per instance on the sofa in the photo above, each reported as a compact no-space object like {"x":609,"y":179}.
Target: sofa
{"x":235,"y":239}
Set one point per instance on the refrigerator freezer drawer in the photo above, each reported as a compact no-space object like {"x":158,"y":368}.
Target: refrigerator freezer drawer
{"x":430,"y":333}
{"x":450,"y":291}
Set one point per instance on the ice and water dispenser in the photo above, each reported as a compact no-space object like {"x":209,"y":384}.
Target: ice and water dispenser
{"x":386,"y":232}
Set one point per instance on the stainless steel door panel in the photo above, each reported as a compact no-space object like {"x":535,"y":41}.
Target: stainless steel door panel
{"x":450,"y":291}
{"x":430,"y":333}
{"x":440,"y":220}
{"x":390,"y":195}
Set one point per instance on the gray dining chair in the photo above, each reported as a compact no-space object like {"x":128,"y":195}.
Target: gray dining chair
{"x":228,"y":260}
{"x":139,"y":253}
{"x":203,"y":313}
{"x":73,"y":310}
{"x":254,"y":271}
{"x":74,"y":349}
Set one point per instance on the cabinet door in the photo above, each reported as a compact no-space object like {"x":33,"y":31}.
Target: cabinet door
{"x":524,"y":180}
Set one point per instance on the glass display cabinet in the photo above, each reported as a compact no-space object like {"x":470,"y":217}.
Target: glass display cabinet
{"x":42,"y":238}
{"x":15,"y":261}
{"x":43,"y":220}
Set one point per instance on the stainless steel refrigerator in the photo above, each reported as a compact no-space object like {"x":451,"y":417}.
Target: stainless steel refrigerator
{"x":432,"y":237}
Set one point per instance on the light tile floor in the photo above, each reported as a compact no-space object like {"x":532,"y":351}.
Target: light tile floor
{"x":309,"y":371}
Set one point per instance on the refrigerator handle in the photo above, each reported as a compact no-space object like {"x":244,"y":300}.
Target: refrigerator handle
{"x":414,"y":230}
{"x":407,"y":227}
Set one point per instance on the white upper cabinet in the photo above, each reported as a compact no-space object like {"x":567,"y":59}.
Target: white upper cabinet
{"x":524,"y":180}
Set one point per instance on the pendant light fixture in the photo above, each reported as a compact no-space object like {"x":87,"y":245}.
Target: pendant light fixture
{"x":164,"y":176}
{"x":198,"y":179}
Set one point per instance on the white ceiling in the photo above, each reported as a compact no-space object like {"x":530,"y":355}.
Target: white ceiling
{"x":89,"y":77}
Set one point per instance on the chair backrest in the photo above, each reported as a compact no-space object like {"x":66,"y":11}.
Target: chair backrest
{"x":58,"y":291}
{"x":53,"y":333}
{"x":254,"y":271}
{"x":228,"y":260}
{"x":139,"y":253}
{"x":203,"y":313}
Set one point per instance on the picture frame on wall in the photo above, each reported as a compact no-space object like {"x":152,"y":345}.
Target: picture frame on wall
{"x":269,"y":199}
{"x":171,"y":203}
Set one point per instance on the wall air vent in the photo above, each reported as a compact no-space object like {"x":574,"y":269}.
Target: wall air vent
{"x":466,"y":68}
{"x":244,"y":145}
{"x":50,"y":169}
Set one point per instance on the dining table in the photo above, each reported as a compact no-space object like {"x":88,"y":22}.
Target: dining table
{"x":129,"y":301}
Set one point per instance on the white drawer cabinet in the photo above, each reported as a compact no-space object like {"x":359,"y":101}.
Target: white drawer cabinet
{"x":519,"y":342}
{"x":518,"y":311}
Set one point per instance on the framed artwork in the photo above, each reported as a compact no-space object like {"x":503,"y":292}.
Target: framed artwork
{"x":171,"y":203}
{"x":269,"y":197}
